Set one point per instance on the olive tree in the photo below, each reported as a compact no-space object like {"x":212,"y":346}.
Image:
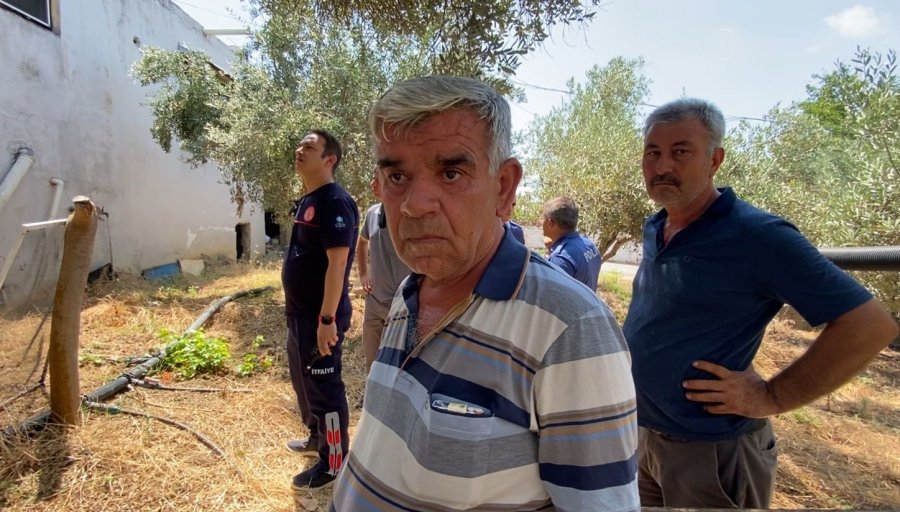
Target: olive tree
{"x":312,"y":64}
{"x":589,"y":149}
{"x":830,"y":164}
{"x":485,"y":39}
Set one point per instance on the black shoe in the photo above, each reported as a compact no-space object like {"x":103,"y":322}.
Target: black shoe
{"x":306,"y":446}
{"x":313,"y":478}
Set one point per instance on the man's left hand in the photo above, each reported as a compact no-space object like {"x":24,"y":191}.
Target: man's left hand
{"x":744,"y":393}
{"x":366,"y":281}
{"x":327,"y":337}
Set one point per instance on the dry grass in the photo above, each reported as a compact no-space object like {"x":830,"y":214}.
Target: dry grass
{"x":839,"y":452}
{"x":119,"y":462}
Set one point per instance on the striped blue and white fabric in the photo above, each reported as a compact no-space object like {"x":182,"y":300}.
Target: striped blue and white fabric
{"x":521,"y":399}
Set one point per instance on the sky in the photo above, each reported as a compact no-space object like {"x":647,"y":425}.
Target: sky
{"x":745,"y":56}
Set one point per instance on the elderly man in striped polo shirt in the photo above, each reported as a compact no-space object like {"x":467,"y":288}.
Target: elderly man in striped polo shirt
{"x":501,"y":383}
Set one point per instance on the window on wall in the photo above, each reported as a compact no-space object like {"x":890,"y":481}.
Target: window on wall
{"x":35,"y":10}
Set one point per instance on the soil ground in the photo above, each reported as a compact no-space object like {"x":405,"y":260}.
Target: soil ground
{"x":839,"y":452}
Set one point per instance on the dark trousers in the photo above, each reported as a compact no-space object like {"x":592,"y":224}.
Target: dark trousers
{"x":734,"y":473}
{"x":319,"y":388}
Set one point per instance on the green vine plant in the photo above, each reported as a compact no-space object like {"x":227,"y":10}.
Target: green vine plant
{"x":194,"y":353}
{"x":254,"y":361}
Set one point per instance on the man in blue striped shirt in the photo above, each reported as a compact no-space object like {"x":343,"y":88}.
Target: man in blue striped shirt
{"x":500,"y":384}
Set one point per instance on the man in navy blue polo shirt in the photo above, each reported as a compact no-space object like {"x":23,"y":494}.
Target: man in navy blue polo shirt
{"x":715,"y":271}
{"x":515,"y":229}
{"x":315,"y":276}
{"x":571,"y":251}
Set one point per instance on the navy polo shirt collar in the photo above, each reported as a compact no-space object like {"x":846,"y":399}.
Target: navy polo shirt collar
{"x":653,"y":235}
{"x":503,"y":274}
{"x":722,"y":205}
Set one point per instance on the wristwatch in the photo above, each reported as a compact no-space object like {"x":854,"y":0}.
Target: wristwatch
{"x":326,"y":319}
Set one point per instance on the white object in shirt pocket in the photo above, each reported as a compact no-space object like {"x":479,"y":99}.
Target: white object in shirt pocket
{"x":451,"y":437}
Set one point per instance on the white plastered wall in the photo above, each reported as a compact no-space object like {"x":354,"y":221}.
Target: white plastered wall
{"x":69,"y":96}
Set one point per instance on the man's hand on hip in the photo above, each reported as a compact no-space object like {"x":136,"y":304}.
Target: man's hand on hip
{"x":744,"y":392}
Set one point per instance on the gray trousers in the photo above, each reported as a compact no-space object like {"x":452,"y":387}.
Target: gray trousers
{"x":373,"y":326}
{"x":734,"y":473}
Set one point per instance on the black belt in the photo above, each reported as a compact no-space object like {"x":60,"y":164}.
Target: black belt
{"x":757,"y":425}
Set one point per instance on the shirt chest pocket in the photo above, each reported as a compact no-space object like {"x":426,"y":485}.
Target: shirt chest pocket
{"x":451,"y":437}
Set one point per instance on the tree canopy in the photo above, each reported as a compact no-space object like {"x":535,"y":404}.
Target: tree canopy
{"x":314,"y":64}
{"x":484,"y":39}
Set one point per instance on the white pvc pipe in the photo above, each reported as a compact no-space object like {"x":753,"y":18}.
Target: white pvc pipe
{"x":14,"y":250}
{"x":34,"y":226}
{"x":24,"y":160}
{"x":226,"y":32}
{"x":57,"y":195}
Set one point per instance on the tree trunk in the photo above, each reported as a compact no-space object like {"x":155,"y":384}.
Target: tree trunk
{"x":609,"y":253}
{"x":81,"y":228}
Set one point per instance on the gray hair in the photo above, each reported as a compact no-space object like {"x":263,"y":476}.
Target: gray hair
{"x":414,"y":101}
{"x":563,"y":211}
{"x":691,"y":108}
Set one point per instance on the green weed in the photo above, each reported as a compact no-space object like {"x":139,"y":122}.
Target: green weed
{"x":254,"y":360}
{"x":86,"y":357}
{"x":176,"y":289}
{"x":613,"y":283}
{"x":802,"y":416}
{"x":192,"y":353}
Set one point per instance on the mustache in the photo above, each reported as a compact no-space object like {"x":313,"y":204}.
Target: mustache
{"x":665,"y":178}
{"x":416,"y":228}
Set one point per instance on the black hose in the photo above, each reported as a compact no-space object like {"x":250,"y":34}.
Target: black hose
{"x":864,"y":258}
{"x":121,"y":382}
{"x":154,"y":384}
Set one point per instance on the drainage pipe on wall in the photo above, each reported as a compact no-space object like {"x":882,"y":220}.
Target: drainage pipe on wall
{"x":23,"y":162}
{"x":57,"y":195}
{"x":14,"y":250}
{"x":27,"y":228}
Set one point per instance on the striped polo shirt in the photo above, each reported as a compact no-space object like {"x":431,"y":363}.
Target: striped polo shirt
{"x":520,"y":399}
